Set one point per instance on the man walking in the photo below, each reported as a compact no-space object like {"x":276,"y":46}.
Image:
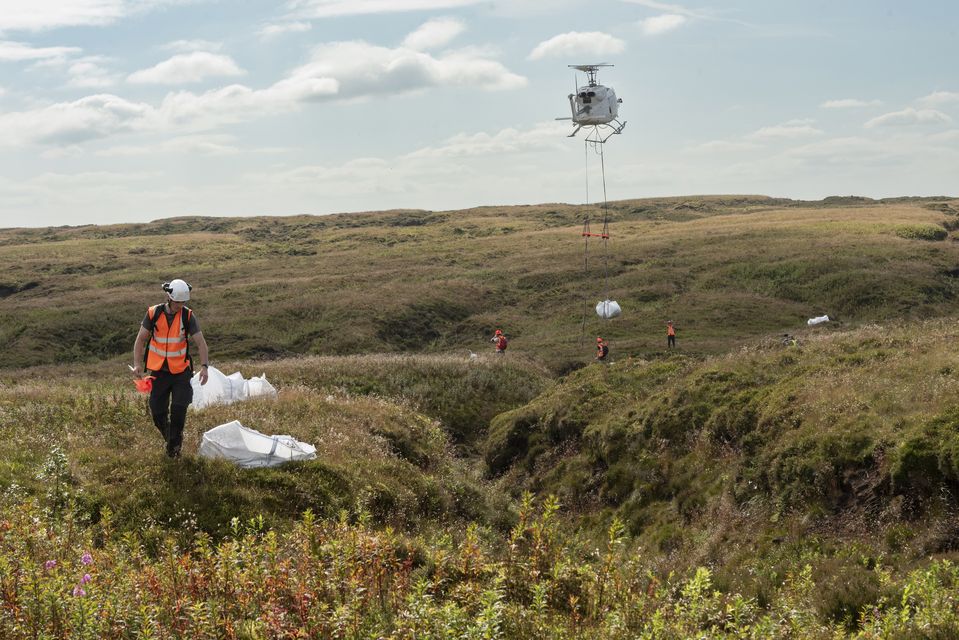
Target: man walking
{"x":164,"y":337}
{"x":602,"y":349}
{"x":670,"y":335}
{"x":501,"y":342}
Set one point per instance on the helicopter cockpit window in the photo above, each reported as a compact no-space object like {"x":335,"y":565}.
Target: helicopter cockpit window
{"x":591,"y":94}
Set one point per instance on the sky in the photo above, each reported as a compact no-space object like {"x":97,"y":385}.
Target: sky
{"x":135,"y":110}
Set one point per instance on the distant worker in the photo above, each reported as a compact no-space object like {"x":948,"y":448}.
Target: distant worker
{"x":602,"y":349}
{"x":499,"y":338}
{"x":670,"y":335}
{"x":164,"y":337}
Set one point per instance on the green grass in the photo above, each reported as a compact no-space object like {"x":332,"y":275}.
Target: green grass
{"x":851,"y":434}
{"x":381,"y":425}
{"x":726,"y":269}
{"x":734,"y":488}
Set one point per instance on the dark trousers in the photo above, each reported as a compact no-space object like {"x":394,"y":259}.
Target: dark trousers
{"x":169,"y":399}
{"x":670,"y":341}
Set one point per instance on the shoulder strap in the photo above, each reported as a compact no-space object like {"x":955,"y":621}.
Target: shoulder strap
{"x":185,"y":316}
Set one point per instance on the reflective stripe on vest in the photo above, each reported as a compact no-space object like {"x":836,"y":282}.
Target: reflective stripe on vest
{"x":168,"y":343}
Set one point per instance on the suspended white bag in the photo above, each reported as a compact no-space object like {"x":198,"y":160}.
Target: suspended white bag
{"x":817,"y":320}
{"x":250,"y":449}
{"x":223,"y":389}
{"x":608,"y":309}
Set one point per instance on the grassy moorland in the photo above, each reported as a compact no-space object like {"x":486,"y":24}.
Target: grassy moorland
{"x":726,"y":269}
{"x":376,"y":447}
{"x":736,"y":488}
{"x":767,"y":452}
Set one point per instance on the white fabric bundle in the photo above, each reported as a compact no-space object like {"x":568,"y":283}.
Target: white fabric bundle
{"x":817,"y":320}
{"x":223,"y":389}
{"x":608,"y":309}
{"x":249,"y":448}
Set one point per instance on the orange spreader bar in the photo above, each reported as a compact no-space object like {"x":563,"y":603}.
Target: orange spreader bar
{"x":595,"y":235}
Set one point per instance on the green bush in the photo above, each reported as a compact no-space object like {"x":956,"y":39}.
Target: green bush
{"x":930,"y":232}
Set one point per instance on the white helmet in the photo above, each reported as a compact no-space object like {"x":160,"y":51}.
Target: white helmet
{"x":177,"y":290}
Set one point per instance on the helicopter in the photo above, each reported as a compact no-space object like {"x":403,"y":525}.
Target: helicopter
{"x":594,"y":105}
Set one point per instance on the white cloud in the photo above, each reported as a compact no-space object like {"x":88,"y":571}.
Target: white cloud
{"x":189,"y":46}
{"x":846,"y":150}
{"x":204,"y":145}
{"x":184,"y":110}
{"x":947,"y":136}
{"x":661,"y":24}
{"x":19,"y":52}
{"x":363,"y":70}
{"x":330,"y":8}
{"x":434,"y":33}
{"x":790,"y":130}
{"x":939,"y":98}
{"x":187,"y":67}
{"x":337,"y":71}
{"x":909,"y":117}
{"x":89,"y":118}
{"x":539,"y":137}
{"x":726,"y":146}
{"x":578,"y":43}
{"x":849,"y":103}
{"x":39,"y":15}
{"x":277,"y":29}
{"x":678,"y":9}
{"x":88,"y":73}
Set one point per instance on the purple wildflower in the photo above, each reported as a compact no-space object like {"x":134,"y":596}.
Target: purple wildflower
{"x":49,"y":564}
{"x":86,"y":558}
{"x":78,"y":591}
{"x":86,"y":578}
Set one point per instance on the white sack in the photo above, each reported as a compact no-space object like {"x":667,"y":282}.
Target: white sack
{"x":608,"y":309}
{"x":223,"y":389}
{"x":817,"y":320}
{"x":217,"y":390}
{"x":250,"y":449}
{"x":259,"y":386}
{"x":237,"y":386}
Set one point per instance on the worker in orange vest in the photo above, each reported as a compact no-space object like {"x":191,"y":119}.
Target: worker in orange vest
{"x":164,"y":338}
{"x":499,"y":338}
{"x":602,"y":349}
{"x":670,"y":335}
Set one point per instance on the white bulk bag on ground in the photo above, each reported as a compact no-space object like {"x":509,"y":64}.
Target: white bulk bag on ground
{"x":217,"y":390}
{"x":250,"y":449}
{"x":259,"y":386}
{"x":817,"y":320}
{"x":237,"y":386}
{"x":223,"y":389}
{"x":608,"y":309}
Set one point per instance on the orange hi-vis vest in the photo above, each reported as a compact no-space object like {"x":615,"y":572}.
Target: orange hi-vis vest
{"x":669,"y":330}
{"x":168,"y":342}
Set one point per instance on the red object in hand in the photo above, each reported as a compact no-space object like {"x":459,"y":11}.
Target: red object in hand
{"x":144,"y":385}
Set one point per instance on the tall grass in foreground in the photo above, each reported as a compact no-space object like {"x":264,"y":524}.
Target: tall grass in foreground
{"x":343,"y":578}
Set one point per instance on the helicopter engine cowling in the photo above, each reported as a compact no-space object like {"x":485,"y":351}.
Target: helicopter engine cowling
{"x":594,"y":105}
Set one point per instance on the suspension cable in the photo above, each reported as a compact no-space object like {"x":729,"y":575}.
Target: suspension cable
{"x":598,"y":148}
{"x":586,"y":235}
{"x":602,"y":162}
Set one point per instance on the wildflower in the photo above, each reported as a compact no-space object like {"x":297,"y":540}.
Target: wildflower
{"x":86,"y":578}
{"x":78,"y":591}
{"x":86,"y":558}
{"x":49,"y":564}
